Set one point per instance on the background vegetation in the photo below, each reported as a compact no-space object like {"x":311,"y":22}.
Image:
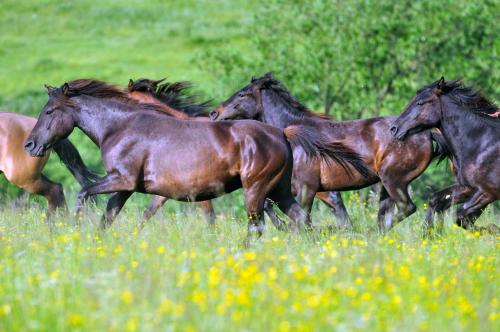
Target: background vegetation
{"x":350,"y":58}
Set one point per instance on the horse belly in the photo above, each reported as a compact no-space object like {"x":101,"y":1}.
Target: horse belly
{"x":189,"y":180}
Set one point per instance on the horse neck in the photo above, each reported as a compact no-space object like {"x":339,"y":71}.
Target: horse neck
{"x":97,"y":119}
{"x":146,"y":98}
{"x":463,"y":134}
{"x":277,"y":113}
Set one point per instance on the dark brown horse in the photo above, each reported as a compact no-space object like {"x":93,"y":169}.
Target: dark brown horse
{"x":26,"y":172}
{"x":393,"y":163}
{"x":174,"y":98}
{"x":148,"y":152}
{"x":472,"y":136}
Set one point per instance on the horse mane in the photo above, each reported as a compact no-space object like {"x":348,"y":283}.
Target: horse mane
{"x":294,"y":109}
{"x":99,"y":89}
{"x":95,"y":88}
{"x":174,"y":95}
{"x":474,"y":102}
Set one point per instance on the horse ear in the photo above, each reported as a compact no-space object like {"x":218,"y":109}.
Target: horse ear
{"x":49,"y":88}
{"x":130,"y":85}
{"x":253,"y":79}
{"x":269,"y":75}
{"x":441,"y":82}
{"x":65,"y":89}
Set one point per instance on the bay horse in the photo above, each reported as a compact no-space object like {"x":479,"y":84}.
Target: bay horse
{"x":25,"y":171}
{"x":395,"y":164}
{"x":173,"y":96}
{"x":172,"y":99}
{"x":468,"y":122}
{"x":145,"y":151}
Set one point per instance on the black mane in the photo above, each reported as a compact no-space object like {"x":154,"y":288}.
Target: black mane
{"x":293,"y":110}
{"x":174,"y":95}
{"x":472,"y":100}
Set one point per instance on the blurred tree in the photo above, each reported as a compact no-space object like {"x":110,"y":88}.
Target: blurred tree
{"x":363,"y":58}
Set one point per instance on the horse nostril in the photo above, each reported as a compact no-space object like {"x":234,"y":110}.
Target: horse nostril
{"x":29,"y":145}
{"x":394,"y":130}
{"x":213,"y":115}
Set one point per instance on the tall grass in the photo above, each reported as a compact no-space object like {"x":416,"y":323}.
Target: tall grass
{"x":179,"y":274}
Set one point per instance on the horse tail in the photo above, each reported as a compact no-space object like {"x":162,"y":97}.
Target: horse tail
{"x":441,"y":149}
{"x":70,"y":157}
{"x":317,"y":145}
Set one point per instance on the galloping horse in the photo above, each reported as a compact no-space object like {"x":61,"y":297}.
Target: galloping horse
{"x":173,"y":96}
{"x":471,"y":131}
{"x":172,"y":99}
{"x":145,"y":151}
{"x":395,"y":164}
{"x":26,"y":172}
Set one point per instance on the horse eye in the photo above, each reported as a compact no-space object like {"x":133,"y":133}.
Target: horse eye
{"x":49,"y":112}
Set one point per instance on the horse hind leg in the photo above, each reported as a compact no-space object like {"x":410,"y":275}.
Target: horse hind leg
{"x":207,"y":211}
{"x":52,"y":191}
{"x":282,"y":196}
{"x":333,"y":199}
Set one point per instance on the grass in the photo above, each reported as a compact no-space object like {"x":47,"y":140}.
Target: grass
{"x":178,"y":274}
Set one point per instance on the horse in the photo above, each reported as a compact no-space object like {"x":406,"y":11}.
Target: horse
{"x":395,"y":164}
{"x":25,"y":171}
{"x":172,"y":95}
{"x":172,"y":99}
{"x":145,"y":151}
{"x":471,"y":129}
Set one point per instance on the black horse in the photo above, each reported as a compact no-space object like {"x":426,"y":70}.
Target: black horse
{"x":471,"y":130}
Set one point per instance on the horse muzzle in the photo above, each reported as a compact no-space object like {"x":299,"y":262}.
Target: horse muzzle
{"x":34,"y":149}
{"x":397,"y":133}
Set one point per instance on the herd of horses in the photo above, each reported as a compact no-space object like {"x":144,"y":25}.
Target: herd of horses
{"x":156,"y":138}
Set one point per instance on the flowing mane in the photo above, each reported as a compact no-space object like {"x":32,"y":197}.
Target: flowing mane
{"x":473,"y":101}
{"x":293,"y":110}
{"x":99,"y":89}
{"x":174,"y":95}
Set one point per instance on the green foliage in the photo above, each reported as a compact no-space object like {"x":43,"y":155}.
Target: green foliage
{"x":366,"y":58}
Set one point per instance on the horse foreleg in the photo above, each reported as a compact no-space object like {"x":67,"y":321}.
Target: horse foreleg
{"x":52,"y":191}
{"x":472,"y":209}
{"x":109,"y":184}
{"x":334,"y":200}
{"x":114,"y":206}
{"x":277,"y":222}
{"x":442,"y":200}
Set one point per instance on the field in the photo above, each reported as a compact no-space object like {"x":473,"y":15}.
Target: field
{"x":179,"y":274}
